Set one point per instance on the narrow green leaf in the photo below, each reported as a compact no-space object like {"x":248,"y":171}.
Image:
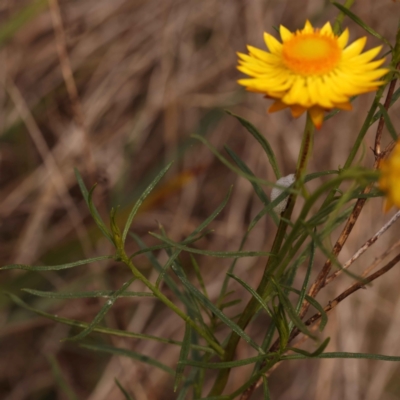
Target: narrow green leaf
{"x":233,"y":168}
{"x":282,"y":326}
{"x":366,"y":356}
{"x":60,"y":379}
{"x":291,"y":311}
{"x":123,"y":390}
{"x":388,"y":122}
{"x":141,"y":199}
{"x":198,"y":275}
{"x":267,"y":396}
{"x":240,"y":163}
{"x":96,"y":216}
{"x":227,"y":364}
{"x":103,"y":311}
{"x":263,"y":142}
{"x":200,"y":228}
{"x":330,"y":256}
{"x":221,"y":254}
{"x":363,"y":25}
{"x":187,"y":384}
{"x":316,"y":353}
{"x":316,"y":305}
{"x":101,"y":329}
{"x":183,"y":355}
{"x":117,"y":351}
{"x":92,"y":208}
{"x":266,"y":343}
{"x":56,"y":267}
{"x":207,"y":303}
{"x":229,"y":304}
{"x":252,"y":292}
{"x":306,"y":280}
{"x":167,"y":279}
{"x":378,"y":114}
{"x":85,"y":295}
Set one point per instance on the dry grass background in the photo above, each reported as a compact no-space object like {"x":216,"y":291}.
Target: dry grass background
{"x":147,"y":74}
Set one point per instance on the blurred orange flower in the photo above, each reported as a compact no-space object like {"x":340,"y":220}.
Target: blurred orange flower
{"x":389,"y":181}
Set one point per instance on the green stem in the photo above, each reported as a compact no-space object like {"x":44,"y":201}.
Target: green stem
{"x":138,"y":275}
{"x":253,"y":304}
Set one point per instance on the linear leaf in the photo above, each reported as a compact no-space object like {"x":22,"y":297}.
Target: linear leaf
{"x":267,"y":396}
{"x":103,"y":311}
{"x":167,"y":279}
{"x":291,"y":311}
{"x":129,"y":353}
{"x":183,"y":355}
{"x":317,"y":306}
{"x":141,"y":199}
{"x":226,"y":364}
{"x":92,"y":208}
{"x":56,"y":267}
{"x":378,"y":114}
{"x":85,"y":295}
{"x":101,"y":329}
{"x":303,"y":292}
{"x":240,"y":163}
{"x":252,"y":292}
{"x":367,"y":356}
{"x":263,"y":142}
{"x":198,"y":275}
{"x":363,"y":25}
{"x":266,"y":342}
{"x":207,"y":303}
{"x":221,"y":254}
{"x":388,"y":122}
{"x":123,"y":390}
{"x":60,"y":379}
{"x":316,"y":353}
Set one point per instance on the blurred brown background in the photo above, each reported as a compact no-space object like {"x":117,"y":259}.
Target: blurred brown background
{"x":146,"y":75}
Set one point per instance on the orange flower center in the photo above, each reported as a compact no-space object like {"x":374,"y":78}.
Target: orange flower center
{"x":311,"y":53}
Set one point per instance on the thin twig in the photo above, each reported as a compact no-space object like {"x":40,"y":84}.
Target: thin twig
{"x":364,"y":248}
{"x":316,"y":317}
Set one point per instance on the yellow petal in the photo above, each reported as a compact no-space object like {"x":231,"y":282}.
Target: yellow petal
{"x":387,"y":205}
{"x":273,"y":45}
{"x":355,"y":48}
{"x":327,"y":29}
{"x":263,"y":55}
{"x":343,"y":39}
{"x":285,"y":33}
{"x":308,"y":28}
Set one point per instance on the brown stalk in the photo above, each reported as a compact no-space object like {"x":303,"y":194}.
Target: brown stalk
{"x":331,"y":305}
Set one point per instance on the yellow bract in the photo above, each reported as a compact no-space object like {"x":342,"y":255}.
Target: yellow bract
{"x":312,"y":69}
{"x":389,"y":181}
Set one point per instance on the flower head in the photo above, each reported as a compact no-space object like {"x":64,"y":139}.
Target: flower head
{"x":389,"y":181}
{"x":312,"y":69}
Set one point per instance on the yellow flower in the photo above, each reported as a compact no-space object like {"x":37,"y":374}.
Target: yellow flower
{"x":389,"y":181}
{"x":312,"y":69}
